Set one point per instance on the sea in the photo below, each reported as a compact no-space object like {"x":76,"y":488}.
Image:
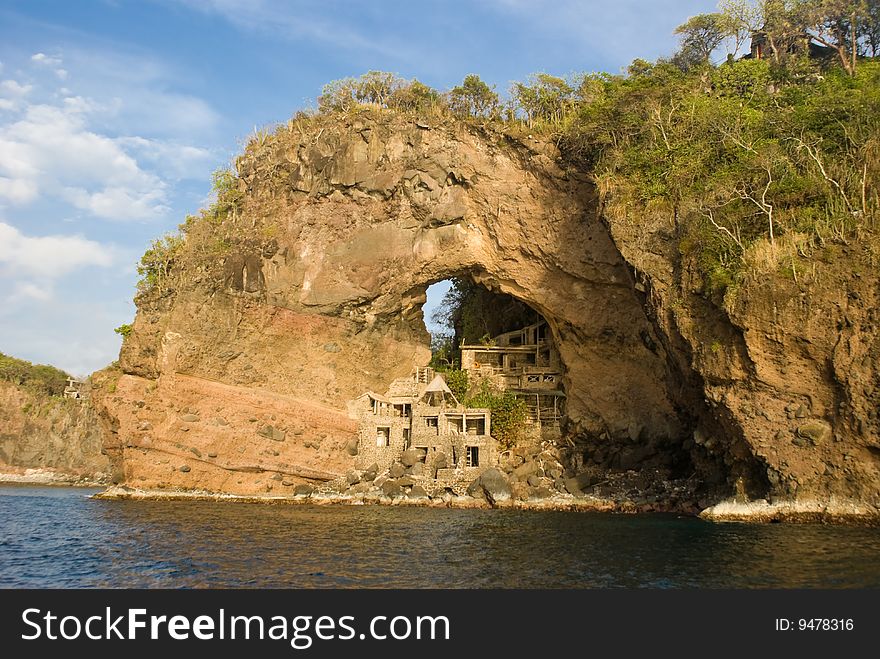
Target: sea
{"x":55,"y":537}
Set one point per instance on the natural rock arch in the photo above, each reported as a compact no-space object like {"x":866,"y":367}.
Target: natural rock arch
{"x":349,"y":225}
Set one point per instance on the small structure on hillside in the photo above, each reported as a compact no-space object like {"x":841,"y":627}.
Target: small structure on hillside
{"x":526,"y":363}
{"x":761,"y":47}
{"x":420,"y":420}
{"x":74,"y":389}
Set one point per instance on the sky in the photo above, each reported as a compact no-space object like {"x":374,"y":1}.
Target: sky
{"x":114,"y":113}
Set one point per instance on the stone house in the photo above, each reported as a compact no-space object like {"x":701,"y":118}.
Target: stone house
{"x":803,"y":43}
{"x":526,"y":363}
{"x":74,"y":389}
{"x":420,"y":416}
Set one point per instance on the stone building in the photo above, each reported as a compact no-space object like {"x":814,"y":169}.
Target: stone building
{"x":526,"y":363}
{"x":74,"y":389}
{"x":419,"y":420}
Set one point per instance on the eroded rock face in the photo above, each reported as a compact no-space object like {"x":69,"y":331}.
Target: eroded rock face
{"x":788,"y":370}
{"x":345,"y":228}
{"x":41,"y":432}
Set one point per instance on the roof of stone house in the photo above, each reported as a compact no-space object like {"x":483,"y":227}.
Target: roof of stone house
{"x":375,"y":396}
{"x":438,"y":384}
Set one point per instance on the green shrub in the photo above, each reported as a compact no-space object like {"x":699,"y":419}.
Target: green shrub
{"x":458,"y":383}
{"x":509,"y":414}
{"x":38,"y":378}
{"x":156,"y":263}
{"x":123,"y":330}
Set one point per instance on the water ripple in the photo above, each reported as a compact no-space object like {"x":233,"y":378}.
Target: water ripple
{"x":56,"y":537}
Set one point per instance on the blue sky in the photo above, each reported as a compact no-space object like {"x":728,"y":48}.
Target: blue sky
{"x":114,"y":113}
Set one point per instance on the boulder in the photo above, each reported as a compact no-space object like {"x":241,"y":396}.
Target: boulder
{"x":441,"y":461}
{"x":525,"y":470}
{"x":816,"y":431}
{"x":273,"y":433}
{"x":303,"y":490}
{"x":418,"y":469}
{"x":371,"y":472}
{"x":534,"y":480}
{"x":391,"y":489}
{"x":412,"y":456}
{"x":352,"y":478}
{"x":540,"y":493}
{"x":520,"y":491}
{"x":571,"y":486}
{"x":580,"y":482}
{"x":397,"y":470}
{"x":406,"y":481}
{"x":185,"y":469}
{"x":190,"y":418}
{"x":418,"y":492}
{"x":492,"y":485}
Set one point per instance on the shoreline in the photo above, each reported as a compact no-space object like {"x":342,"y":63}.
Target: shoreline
{"x":809,"y":511}
{"x":590,"y":504}
{"x":756,"y":512}
{"x":48,"y":477}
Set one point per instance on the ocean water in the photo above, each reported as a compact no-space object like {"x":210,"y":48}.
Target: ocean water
{"x":58,"y":537}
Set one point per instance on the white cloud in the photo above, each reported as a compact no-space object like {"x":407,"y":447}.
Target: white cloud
{"x":61,"y":73}
{"x":26,"y":290}
{"x":48,"y":257}
{"x":177,"y":160}
{"x":14,"y":88}
{"x":42,"y":58}
{"x":18,"y":191}
{"x":51,"y":150}
{"x":138,"y":95}
{"x":118,"y":203}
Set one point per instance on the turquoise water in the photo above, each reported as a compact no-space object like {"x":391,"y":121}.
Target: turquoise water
{"x":58,"y":537}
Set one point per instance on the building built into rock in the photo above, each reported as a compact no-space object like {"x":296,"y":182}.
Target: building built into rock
{"x":526,"y":363}
{"x":419,"y":420}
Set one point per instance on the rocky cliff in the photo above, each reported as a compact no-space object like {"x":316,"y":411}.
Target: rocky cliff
{"x":308,"y":291}
{"x":61,"y":437}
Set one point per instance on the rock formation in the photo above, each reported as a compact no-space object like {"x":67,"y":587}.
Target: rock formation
{"x":61,"y":436}
{"x":310,"y":290}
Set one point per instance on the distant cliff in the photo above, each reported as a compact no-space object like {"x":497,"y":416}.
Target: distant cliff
{"x":39,"y":431}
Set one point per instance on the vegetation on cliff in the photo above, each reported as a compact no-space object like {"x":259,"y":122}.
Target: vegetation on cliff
{"x":762,"y":160}
{"x":37,"y":378}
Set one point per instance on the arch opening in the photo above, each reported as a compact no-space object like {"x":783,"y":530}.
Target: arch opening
{"x":487,"y":341}
{"x":500,"y":339}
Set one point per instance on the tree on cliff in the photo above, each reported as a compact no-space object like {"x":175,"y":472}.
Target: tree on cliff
{"x":474,"y":98}
{"x":544,"y":97}
{"x":39,"y":378}
{"x":835,"y":25}
{"x":702,"y":34}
